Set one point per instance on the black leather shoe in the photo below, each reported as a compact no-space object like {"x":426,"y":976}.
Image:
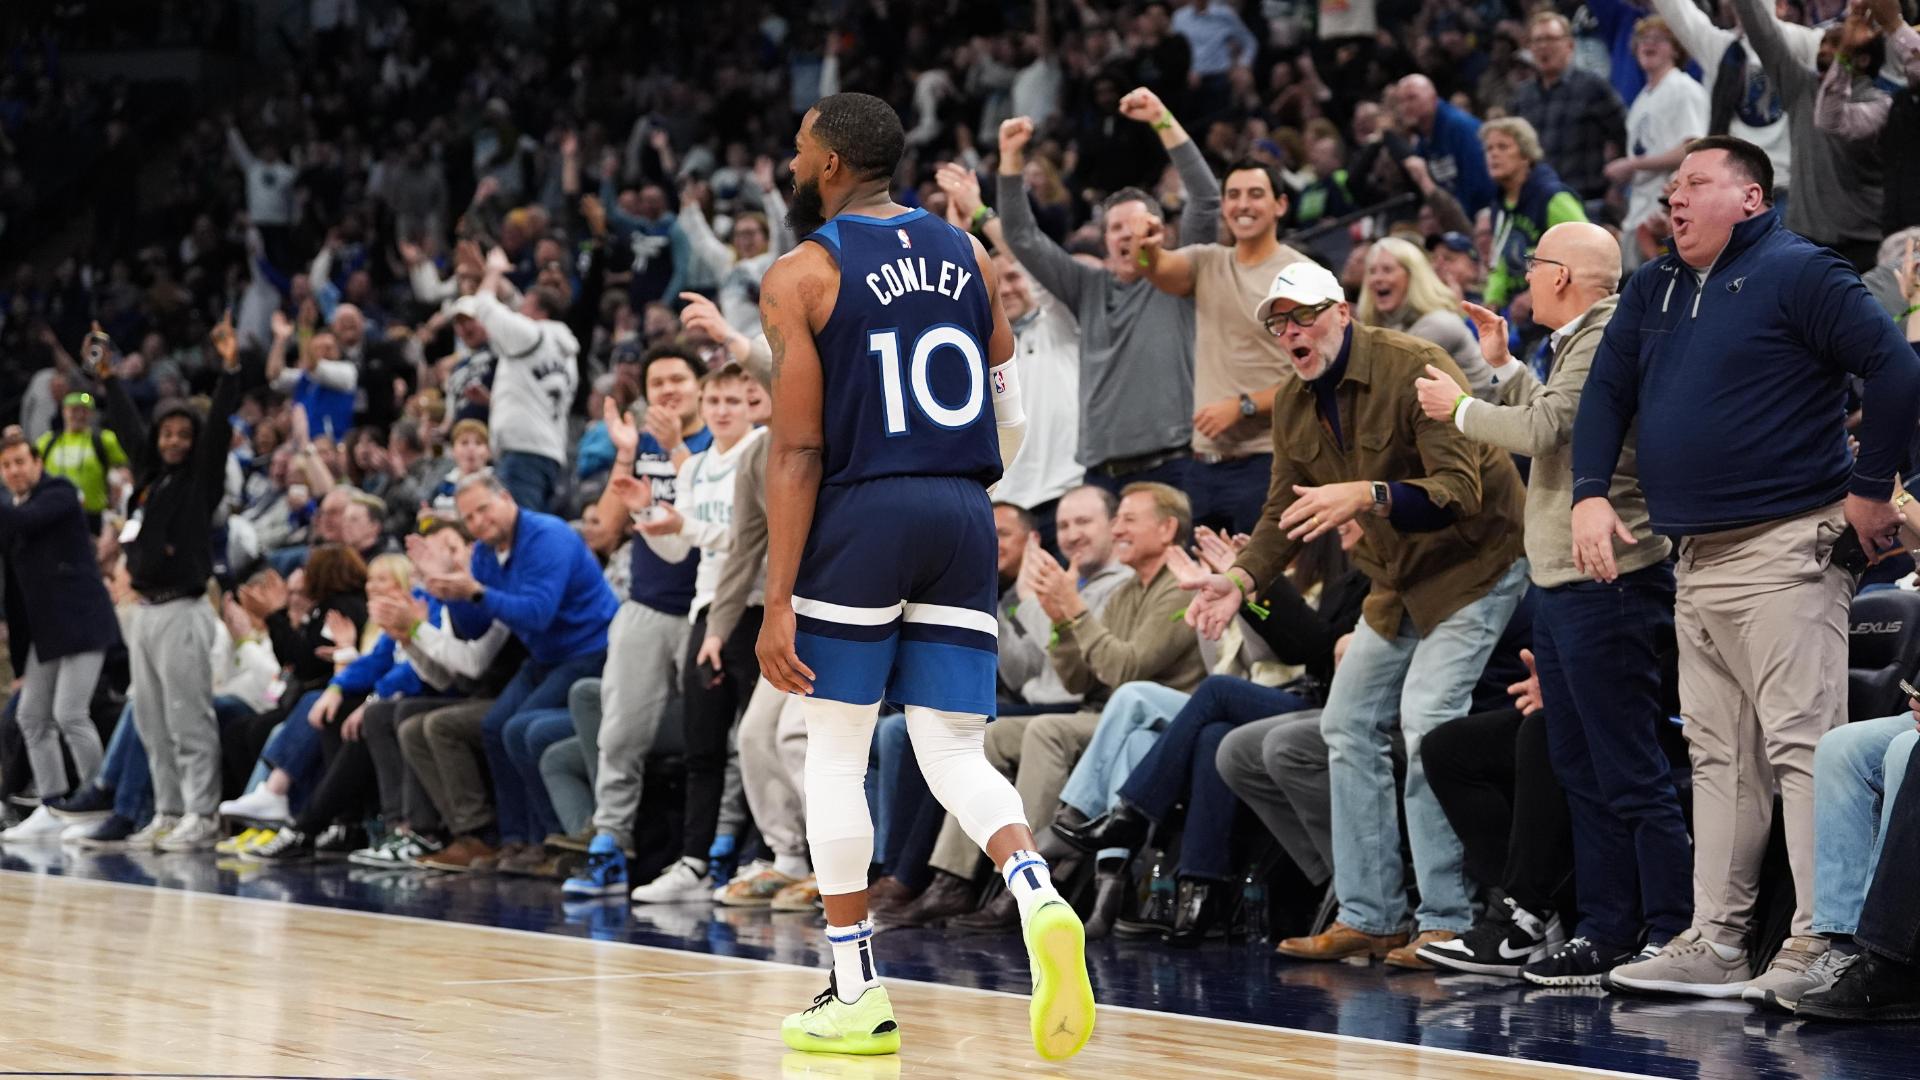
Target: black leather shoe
{"x":1047,"y":841}
{"x":1109,"y":894}
{"x":1871,"y":988}
{"x":997,"y":916}
{"x":1122,"y":827}
{"x":1196,"y":913}
{"x":947,"y":897}
{"x":1155,"y":918}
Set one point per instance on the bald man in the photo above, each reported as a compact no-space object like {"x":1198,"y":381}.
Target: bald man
{"x":1447,"y":139}
{"x":1596,"y":645}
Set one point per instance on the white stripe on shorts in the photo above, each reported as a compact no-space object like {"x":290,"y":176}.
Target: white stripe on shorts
{"x":942,"y":615}
{"x":847,"y":616}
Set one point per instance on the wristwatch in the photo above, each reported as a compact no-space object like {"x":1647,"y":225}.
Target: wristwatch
{"x":1247,"y":407}
{"x":479,"y":594}
{"x":1382,"y":497}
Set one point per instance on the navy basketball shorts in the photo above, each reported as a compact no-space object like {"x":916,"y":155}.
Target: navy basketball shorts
{"x":896,"y":595}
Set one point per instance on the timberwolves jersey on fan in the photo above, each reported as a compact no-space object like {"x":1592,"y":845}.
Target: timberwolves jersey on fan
{"x":897,"y":585}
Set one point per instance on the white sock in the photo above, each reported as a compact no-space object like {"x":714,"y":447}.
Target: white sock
{"x":853,"y":969}
{"x":1026,"y":876}
{"x":1727,"y":952}
{"x":794,"y":866}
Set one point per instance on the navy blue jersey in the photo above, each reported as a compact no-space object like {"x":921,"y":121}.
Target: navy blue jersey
{"x":903,"y":359}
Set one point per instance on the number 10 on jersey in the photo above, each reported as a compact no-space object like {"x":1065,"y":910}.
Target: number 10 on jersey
{"x":885,"y":344}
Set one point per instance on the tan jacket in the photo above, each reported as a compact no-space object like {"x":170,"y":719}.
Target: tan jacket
{"x":1140,"y":636}
{"x":1537,"y":421}
{"x":1425,"y":575}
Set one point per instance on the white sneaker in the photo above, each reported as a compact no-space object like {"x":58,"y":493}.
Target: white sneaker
{"x":39,"y":827}
{"x":74,"y":832}
{"x":677,"y":884}
{"x":149,"y":838}
{"x":195,"y":832}
{"x":259,"y":805}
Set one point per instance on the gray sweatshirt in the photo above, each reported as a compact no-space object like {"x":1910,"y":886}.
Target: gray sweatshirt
{"x":1136,"y":342}
{"x":1537,"y":421}
{"x":1837,"y":192}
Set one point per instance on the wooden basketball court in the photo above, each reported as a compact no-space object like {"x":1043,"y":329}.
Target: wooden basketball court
{"x":107,"y":979}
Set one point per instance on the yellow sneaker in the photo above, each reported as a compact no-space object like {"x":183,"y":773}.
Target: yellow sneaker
{"x":1062,"y":1008}
{"x":837,"y":1067}
{"x":832,"y":1026}
{"x":233,"y":845}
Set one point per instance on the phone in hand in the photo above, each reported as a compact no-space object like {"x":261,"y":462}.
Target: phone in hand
{"x":1908,"y":689}
{"x":97,"y":346}
{"x":1850,"y":554}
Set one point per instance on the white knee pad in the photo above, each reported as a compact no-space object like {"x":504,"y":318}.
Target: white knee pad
{"x":839,"y":828}
{"x":951,"y":750}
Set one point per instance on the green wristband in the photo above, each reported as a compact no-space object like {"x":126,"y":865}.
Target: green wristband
{"x":1165,"y":122}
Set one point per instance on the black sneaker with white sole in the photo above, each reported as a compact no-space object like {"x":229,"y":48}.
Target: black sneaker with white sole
{"x":289,"y":845}
{"x":1580,"y":962}
{"x":1504,"y":941}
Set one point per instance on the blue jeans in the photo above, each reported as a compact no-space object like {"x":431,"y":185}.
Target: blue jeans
{"x":296,"y":745}
{"x":527,"y":736}
{"x":1597,"y":646}
{"x":1230,"y":495}
{"x":529,"y":478}
{"x":1130,"y":724}
{"x":907,"y":817}
{"x":1181,"y":765}
{"x":534,"y":686}
{"x":1889,"y":919}
{"x":1857,"y":771}
{"x":1424,"y":681}
{"x":124,"y":769}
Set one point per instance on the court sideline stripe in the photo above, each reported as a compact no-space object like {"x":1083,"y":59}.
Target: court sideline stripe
{"x":1243,"y":1025}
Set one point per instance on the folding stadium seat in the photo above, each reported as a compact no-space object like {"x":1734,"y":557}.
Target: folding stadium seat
{"x":1883,"y":647}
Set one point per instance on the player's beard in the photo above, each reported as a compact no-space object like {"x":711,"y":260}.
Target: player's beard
{"x":807,"y":212}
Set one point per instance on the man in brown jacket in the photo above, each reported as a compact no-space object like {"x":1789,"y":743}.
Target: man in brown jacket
{"x":1137,"y":636}
{"x":1441,"y":518}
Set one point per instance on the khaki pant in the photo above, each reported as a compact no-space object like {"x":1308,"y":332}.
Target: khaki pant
{"x":1761,"y":615}
{"x":1039,"y":753}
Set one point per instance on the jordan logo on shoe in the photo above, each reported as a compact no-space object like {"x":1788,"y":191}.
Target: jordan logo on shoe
{"x":1062,"y":1029}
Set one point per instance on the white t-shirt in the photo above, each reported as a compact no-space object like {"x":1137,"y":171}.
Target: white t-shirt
{"x":704,"y":497}
{"x":1048,"y":352}
{"x":1664,"y":115}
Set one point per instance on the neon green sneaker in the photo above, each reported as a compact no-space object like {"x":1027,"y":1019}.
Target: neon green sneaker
{"x":1062,"y":1007}
{"x":831,"y":1026}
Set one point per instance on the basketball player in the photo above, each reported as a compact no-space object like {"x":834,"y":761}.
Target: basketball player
{"x":887,"y":428}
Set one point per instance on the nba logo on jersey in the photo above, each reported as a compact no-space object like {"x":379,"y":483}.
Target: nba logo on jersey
{"x":905,"y":240}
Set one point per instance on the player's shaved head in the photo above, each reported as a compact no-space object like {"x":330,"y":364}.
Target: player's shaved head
{"x":863,"y":130}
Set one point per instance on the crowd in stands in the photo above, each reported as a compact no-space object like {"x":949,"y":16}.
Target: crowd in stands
{"x":1383,"y":563}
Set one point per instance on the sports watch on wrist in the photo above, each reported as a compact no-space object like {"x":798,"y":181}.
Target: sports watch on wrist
{"x":1382,"y":498}
{"x":1247,"y":407}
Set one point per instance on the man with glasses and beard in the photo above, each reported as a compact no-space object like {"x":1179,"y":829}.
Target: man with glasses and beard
{"x":1441,"y":516}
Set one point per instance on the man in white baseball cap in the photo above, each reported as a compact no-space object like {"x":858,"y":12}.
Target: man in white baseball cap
{"x":1441,"y":515}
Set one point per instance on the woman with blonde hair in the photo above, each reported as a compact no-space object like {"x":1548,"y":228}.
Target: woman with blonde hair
{"x":1400,"y":291}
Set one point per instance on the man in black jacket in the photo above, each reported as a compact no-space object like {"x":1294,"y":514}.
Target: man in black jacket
{"x":181,"y":481}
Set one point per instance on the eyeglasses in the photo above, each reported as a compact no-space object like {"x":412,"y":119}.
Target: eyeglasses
{"x":1535,"y":260}
{"x":1302,"y":317}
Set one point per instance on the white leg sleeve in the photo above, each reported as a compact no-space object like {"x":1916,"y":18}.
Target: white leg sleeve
{"x":839,"y":828}
{"x":951,"y":749}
